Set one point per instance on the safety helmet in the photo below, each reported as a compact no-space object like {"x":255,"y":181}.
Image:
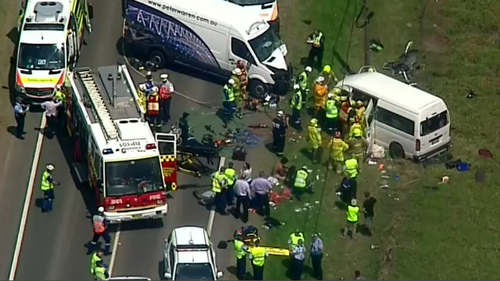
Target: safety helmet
{"x":100,"y":209}
{"x":327,"y":69}
{"x":280,"y":113}
{"x":237,"y":71}
{"x":337,"y":91}
{"x":338,"y":134}
{"x":360,"y":103}
{"x":50,"y":167}
{"x":296,"y":87}
{"x":357,"y":132}
{"x":313,"y":122}
{"x":149,"y":75}
{"x":154,"y":89}
{"x":164,"y":76}
{"x":343,"y":98}
{"x":320,"y":79}
{"x":308,"y":69}
{"x":330,"y":95}
{"x":353,"y":103}
{"x":58,"y":87}
{"x":230,"y":81}
{"x":304,"y":167}
{"x":354,"y":202}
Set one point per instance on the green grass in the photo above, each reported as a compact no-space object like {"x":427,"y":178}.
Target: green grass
{"x":434,"y":231}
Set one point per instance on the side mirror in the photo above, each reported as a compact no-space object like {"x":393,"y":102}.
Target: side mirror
{"x":220,"y":274}
{"x":167,"y":275}
{"x":90,"y":11}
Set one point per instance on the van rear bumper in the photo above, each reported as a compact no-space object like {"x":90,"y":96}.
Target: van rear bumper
{"x":438,"y":151}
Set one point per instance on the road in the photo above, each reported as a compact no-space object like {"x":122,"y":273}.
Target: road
{"x":53,"y":244}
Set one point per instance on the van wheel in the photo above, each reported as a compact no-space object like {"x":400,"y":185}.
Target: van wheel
{"x":396,"y":151}
{"x":158,"y":58}
{"x":257,"y":89}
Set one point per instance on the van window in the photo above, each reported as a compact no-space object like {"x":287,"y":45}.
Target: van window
{"x":433,"y":124}
{"x":395,"y":120}
{"x":240,"y":49}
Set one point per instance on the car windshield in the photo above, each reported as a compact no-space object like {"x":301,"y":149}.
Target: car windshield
{"x":41,"y":57}
{"x":133,"y":177}
{"x":250,"y":2}
{"x":194,"y":271}
{"x":265,"y":44}
{"x":433,"y":124}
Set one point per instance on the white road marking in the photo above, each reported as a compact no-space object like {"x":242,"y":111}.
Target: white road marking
{"x":211,"y":217}
{"x":27,"y":200}
{"x":115,"y":248}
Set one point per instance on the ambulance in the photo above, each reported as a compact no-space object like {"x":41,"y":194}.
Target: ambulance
{"x":129,"y":170}
{"x":50,"y":39}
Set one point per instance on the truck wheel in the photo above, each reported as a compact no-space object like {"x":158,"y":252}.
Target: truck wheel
{"x":158,"y":58}
{"x":396,"y":151}
{"x":257,"y":89}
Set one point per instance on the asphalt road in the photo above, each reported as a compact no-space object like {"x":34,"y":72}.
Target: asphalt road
{"x":53,"y":245}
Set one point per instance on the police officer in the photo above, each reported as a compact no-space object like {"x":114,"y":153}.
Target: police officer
{"x":301,"y":183}
{"x":337,"y":149}
{"x":184,"y":126}
{"x":279,"y":133}
{"x":96,"y":256}
{"x":317,"y":256}
{"x":352,"y":219}
{"x":296,"y":105}
{"x":331,"y":114}
{"x":47,"y":187}
{"x":317,"y":42}
{"x":357,"y":147}
{"x":218,"y":186}
{"x":229,"y":102}
{"x":100,"y":273}
{"x":231,"y":177}
{"x":294,"y":238}
{"x":20,"y":110}
{"x":351,"y":171}
{"x":315,"y":139}
{"x":166,"y":90}
{"x":302,"y":79}
{"x":298,"y":256}
{"x":153,"y":106}
{"x":100,"y":230}
{"x":258,"y":257}
{"x":241,"y":254}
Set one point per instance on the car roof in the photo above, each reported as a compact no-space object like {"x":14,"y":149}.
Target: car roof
{"x":193,"y":257}
{"x":190,"y":235}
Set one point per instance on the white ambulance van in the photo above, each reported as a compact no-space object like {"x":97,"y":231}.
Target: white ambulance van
{"x":408,"y":121}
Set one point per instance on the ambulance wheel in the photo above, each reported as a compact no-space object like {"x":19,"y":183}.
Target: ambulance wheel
{"x":396,"y":151}
{"x":158,"y":58}
{"x":257,"y":89}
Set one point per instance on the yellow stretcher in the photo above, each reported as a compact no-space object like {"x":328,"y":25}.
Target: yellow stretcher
{"x":274,"y":251}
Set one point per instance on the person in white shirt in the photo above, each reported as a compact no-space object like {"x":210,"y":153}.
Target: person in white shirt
{"x":50,"y":108}
{"x":247,"y":172}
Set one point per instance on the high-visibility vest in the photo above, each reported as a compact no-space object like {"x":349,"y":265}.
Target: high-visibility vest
{"x":46,"y":185}
{"x":228,"y":93}
{"x":60,"y":96}
{"x":216,"y":187}
{"x":344,"y":111}
{"x":229,"y":173}
{"x":352,"y":213}
{"x":153,"y":104}
{"x":98,"y":222}
{"x":301,"y":179}
{"x":338,"y":148}
{"x":303,"y":80}
{"x":351,"y":167}
{"x":100,"y":273}
{"x":331,"y":109}
{"x":239,"y":249}
{"x":258,"y":255}
{"x":317,"y":40}
{"x":93,"y":262}
{"x":294,"y":239}
{"x":297,"y":100}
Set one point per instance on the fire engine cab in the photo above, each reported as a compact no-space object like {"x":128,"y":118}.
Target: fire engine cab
{"x":114,"y":148}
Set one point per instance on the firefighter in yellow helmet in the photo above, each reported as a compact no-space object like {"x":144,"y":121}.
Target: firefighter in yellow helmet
{"x":354,"y":127}
{"x":337,"y":149}
{"x":357,"y":147}
{"x":360,"y":113}
{"x":235,"y":75}
{"x":330,"y":77}
{"x":314,"y":138}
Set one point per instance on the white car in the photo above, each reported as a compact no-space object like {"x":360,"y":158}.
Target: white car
{"x":189,"y":255}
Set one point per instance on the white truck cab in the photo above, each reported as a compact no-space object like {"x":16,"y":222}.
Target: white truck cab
{"x":189,"y":255}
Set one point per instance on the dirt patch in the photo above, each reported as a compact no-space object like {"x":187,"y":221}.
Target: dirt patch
{"x":433,"y":27}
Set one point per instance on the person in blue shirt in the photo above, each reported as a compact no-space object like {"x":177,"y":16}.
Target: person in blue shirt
{"x":298,"y":255}
{"x":317,"y":256}
{"x":20,"y":110}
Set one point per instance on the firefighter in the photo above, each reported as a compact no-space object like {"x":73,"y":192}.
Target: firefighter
{"x":328,"y":74}
{"x":331,"y":114}
{"x":314,"y":139}
{"x":320,"y":91}
{"x":355,"y":127}
{"x":302,"y":79}
{"x":360,"y":113}
{"x":47,"y":187}
{"x":166,"y":90}
{"x":229,"y":102}
{"x":345,"y":111}
{"x":100,"y":230}
{"x":337,"y":149}
{"x":243,"y":79}
{"x":317,"y":42}
{"x":153,"y":106}
{"x":357,"y":147}
{"x":296,"y":105}
{"x":236,"y":74}
{"x":280,"y":124}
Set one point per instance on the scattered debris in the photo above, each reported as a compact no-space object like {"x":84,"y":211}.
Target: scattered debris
{"x":373,"y":247}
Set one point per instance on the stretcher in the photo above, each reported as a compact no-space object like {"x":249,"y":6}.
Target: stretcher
{"x":275,"y":251}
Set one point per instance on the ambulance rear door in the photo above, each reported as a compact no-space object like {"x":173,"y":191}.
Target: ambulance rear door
{"x":167,"y":145}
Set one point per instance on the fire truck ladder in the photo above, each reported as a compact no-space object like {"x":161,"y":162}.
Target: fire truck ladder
{"x":88,"y":81}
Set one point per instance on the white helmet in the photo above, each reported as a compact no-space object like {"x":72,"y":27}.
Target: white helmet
{"x":330,"y":95}
{"x":231,"y":82}
{"x":154,"y":89}
{"x":58,"y":87}
{"x":50,"y":167}
{"x":308,"y":69}
{"x":280,"y":113}
{"x":320,"y":79}
{"x":100,"y":209}
{"x":296,"y":87}
{"x":149,"y":73}
{"x":164,"y":76}
{"x":237,"y":71}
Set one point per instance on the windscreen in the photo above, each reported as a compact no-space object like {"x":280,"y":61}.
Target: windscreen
{"x":265,"y":44}
{"x":133,"y":177}
{"x":194,"y":271}
{"x":250,"y":2}
{"x":433,"y":124}
{"x":41,"y":57}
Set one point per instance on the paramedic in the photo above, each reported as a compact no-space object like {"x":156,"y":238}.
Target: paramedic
{"x":317,"y":42}
{"x":101,"y":273}
{"x":296,"y":105}
{"x":302,"y":80}
{"x":317,"y":256}
{"x":315,"y":139}
{"x":352,"y":219}
{"x":47,"y":188}
{"x":101,"y":230}
{"x":166,"y":90}
{"x":218,"y":186}
{"x":337,"y":149}
{"x":294,"y":238}
{"x":241,"y":255}
{"x":230,"y":174}
{"x":229,"y":103}
{"x":20,"y":110}
{"x":96,"y":256}
{"x":298,"y":256}
{"x":279,"y":133}
{"x":331,"y":114}
{"x":301,"y":183}
{"x":357,"y":147}
{"x":153,"y":107}
{"x":258,"y":257}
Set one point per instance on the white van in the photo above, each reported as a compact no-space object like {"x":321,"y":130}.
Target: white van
{"x":265,"y":9}
{"x":409,"y":122}
{"x":211,"y":36}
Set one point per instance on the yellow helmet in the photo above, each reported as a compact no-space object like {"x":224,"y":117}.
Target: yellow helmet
{"x":357,"y":132}
{"x":327,"y":69}
{"x":360,"y":102}
{"x":337,"y":91}
{"x":313,"y":122}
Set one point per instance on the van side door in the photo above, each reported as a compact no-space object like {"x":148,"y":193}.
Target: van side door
{"x":370,"y":124}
